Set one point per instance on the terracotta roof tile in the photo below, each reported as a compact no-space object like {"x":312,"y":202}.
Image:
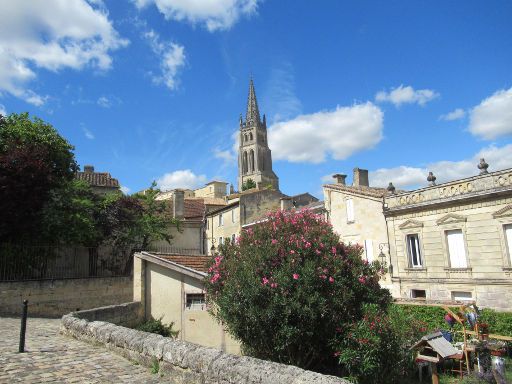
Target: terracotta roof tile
{"x":199,"y":263}
{"x":194,"y":208}
{"x":366,"y":191}
{"x":98,"y":179}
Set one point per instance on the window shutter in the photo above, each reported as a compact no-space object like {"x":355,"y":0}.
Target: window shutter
{"x":368,"y":247}
{"x":350,"y":210}
{"x":456,"y":249}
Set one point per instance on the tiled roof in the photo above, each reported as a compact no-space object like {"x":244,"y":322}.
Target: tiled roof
{"x":98,"y":179}
{"x":194,"y":208}
{"x":365,"y":191}
{"x":197,"y":263}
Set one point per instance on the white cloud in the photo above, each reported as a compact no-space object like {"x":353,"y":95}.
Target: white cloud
{"x":456,"y":114}
{"x":108,"y":101}
{"x":492,"y":118}
{"x":280,"y":99}
{"x":406,"y":95}
{"x":227,"y":156}
{"x":3,"y":111}
{"x":411,"y":177}
{"x":213,"y":14}
{"x":338,"y":133}
{"x":52,"y":35}
{"x":125,"y":189}
{"x":172,"y":59}
{"x":88,"y":134}
{"x":180,"y":179}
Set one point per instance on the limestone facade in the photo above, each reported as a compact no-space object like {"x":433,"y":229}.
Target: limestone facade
{"x":453,"y":241}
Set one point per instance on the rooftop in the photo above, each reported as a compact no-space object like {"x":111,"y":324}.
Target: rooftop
{"x":197,"y":263}
{"x":97,"y":179}
{"x":360,"y":190}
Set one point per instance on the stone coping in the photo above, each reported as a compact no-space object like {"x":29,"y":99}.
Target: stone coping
{"x":187,"y":363}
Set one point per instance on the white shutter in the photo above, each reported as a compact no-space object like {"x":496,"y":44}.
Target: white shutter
{"x":350,"y":210}
{"x":456,"y":249}
{"x":508,"y":235}
{"x":368,"y":247}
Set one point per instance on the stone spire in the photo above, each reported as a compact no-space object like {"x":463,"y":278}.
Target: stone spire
{"x":253,"y":114}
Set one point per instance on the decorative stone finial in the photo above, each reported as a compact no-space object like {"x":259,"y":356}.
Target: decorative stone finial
{"x":483,"y":167}
{"x":431,"y":179}
{"x":231,"y":189}
{"x":391,"y":188}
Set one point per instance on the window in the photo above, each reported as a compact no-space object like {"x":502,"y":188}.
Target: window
{"x":233,"y":238}
{"x":196,"y":302}
{"x":418,"y":294}
{"x":368,"y":249}
{"x":462,"y":296}
{"x":220,"y":241}
{"x":456,"y":249}
{"x":350,"y":210}
{"x":508,"y":239}
{"x":233,"y":216}
{"x":221,"y":220}
{"x":413,"y":251}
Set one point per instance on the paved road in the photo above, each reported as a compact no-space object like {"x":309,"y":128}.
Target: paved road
{"x":53,"y":358}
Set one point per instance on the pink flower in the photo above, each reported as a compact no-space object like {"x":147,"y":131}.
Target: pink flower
{"x":292,"y":252}
{"x":273,"y":285}
{"x":323,"y":277}
{"x":274,"y":241}
{"x":264,"y":281}
{"x":362,"y":280}
{"x":296,"y":276}
{"x":331,"y":279}
{"x":308,"y":244}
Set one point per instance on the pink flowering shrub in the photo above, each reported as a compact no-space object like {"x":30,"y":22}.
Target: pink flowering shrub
{"x":288,"y":290}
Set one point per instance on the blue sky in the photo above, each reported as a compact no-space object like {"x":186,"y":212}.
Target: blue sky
{"x":152,"y":89}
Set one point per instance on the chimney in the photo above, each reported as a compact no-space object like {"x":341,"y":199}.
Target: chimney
{"x":286,"y":203}
{"x":360,"y":178}
{"x":88,"y":168}
{"x":340,"y":178}
{"x":178,"y":203}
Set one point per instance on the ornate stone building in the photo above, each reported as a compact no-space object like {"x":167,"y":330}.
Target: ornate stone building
{"x":254,"y":155}
{"x":453,"y":241}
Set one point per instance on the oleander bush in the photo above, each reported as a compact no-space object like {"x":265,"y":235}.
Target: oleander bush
{"x":290,"y":291}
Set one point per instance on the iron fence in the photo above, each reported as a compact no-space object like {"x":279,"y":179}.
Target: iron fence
{"x":169,"y":249}
{"x":21,"y":262}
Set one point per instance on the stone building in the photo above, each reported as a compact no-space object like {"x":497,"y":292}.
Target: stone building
{"x":100,"y":182}
{"x":453,"y":241}
{"x":355,"y":212}
{"x":254,"y":155}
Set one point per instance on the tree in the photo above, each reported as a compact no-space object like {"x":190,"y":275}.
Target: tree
{"x":34,"y":159}
{"x":70,"y":216}
{"x":288,"y":289}
{"x":249,"y":184}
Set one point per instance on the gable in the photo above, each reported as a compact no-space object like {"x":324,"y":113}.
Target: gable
{"x":451,"y":218}
{"x":411,"y":224}
{"x":503,"y":212}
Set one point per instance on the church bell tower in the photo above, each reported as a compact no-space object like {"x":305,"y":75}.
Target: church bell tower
{"x":254,"y":155}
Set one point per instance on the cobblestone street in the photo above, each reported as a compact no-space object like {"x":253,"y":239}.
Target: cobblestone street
{"x":53,"y":358}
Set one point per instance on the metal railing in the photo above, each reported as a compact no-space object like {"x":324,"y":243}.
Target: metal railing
{"x":21,"y":262}
{"x":174,"y":250}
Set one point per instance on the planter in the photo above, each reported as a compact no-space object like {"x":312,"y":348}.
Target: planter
{"x":497,"y":352}
{"x":483,"y":336}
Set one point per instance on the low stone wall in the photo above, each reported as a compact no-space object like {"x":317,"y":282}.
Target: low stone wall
{"x":54,"y":298}
{"x":182,"y":362}
{"x":126,"y":314}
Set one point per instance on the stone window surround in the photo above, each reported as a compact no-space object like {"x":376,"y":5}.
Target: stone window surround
{"x":503,"y":217}
{"x":346,"y":199}
{"x":457,"y":222}
{"x":413,"y":227}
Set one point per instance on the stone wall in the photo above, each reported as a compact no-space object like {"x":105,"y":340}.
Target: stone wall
{"x":54,"y":298}
{"x":182,"y":362}
{"x":126,"y":314}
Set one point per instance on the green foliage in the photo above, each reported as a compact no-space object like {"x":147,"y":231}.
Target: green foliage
{"x":287,"y":287}
{"x":34,"y":159}
{"x":70,"y":215}
{"x":249,"y":184}
{"x":499,"y":322}
{"x":156,"y":326}
{"x":155,"y":366}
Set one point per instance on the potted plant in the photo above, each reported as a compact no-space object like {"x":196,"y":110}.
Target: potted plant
{"x":483,"y":330}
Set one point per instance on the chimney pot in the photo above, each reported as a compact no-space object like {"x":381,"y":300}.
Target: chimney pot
{"x":178,"y":203}
{"x":340,"y":178}
{"x":286,"y":203}
{"x":360,"y":178}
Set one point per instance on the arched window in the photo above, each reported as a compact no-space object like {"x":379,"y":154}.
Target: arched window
{"x":250,"y":136}
{"x":251,"y":160}
{"x":245,"y":137}
{"x":244,"y":163}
